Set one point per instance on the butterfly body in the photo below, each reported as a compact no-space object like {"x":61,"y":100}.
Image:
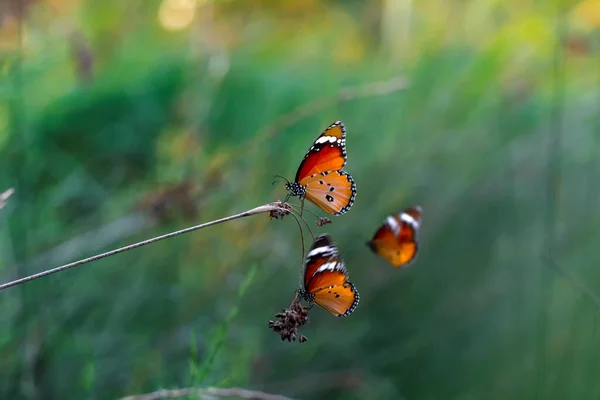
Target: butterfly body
{"x":326,"y":279}
{"x":320,"y":177}
{"x":396,"y":238}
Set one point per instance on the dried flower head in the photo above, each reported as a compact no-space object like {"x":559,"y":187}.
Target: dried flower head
{"x":323,"y":221}
{"x":289,"y":321}
{"x":283,"y":210}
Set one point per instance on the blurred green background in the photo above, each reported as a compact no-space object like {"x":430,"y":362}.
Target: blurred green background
{"x":124,"y":120}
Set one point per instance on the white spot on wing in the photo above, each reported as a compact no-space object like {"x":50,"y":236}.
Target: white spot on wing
{"x":325,"y":139}
{"x":392,"y":223}
{"x":409,"y":220}
{"x":320,"y":250}
{"x":328,"y":266}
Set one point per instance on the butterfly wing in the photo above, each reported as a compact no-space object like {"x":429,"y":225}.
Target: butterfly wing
{"x":326,"y":279}
{"x":334,"y":191}
{"x":320,"y":177}
{"x":340,"y":300}
{"x":328,"y":153}
{"x":322,"y":249}
{"x":396,"y":239}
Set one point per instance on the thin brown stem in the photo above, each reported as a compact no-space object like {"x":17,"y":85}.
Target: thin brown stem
{"x":296,"y":216}
{"x":301,"y":237}
{"x":217,"y":392}
{"x":276,"y":206}
{"x":303,"y":220}
{"x":317,"y":216}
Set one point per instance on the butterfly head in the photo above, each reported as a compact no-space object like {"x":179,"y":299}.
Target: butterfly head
{"x":295,"y":189}
{"x":310,"y":298}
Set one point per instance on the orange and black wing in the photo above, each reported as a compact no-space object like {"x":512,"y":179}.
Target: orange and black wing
{"x":340,"y":300}
{"x":328,"y":153}
{"x":326,"y":279}
{"x":334,"y":191}
{"x":396,"y":239}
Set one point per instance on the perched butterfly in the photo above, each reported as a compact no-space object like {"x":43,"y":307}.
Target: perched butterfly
{"x":326,"y":279}
{"x":320,"y":177}
{"x":396,"y":239}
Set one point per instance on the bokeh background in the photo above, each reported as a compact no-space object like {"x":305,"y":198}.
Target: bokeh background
{"x":124,"y":120}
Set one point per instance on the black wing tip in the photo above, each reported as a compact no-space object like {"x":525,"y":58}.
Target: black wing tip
{"x":371,"y":246}
{"x":323,"y":239}
{"x":416,"y":208}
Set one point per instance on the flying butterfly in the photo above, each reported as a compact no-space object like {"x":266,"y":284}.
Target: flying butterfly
{"x":320,"y":177}
{"x":326,"y":279}
{"x":396,"y":239}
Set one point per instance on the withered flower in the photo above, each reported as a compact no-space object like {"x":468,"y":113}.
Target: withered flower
{"x":283,"y":210}
{"x":323,"y":221}
{"x":289,"y":321}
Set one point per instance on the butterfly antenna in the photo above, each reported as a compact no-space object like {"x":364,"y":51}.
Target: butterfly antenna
{"x":276,"y":177}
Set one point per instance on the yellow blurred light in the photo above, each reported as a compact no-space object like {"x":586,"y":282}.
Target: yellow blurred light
{"x":10,"y":30}
{"x":588,"y":13}
{"x":177,"y":14}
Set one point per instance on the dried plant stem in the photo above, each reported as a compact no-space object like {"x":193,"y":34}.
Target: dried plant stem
{"x":301,"y":236}
{"x":299,"y":213}
{"x":298,"y":218}
{"x":217,"y":392}
{"x":276,"y":206}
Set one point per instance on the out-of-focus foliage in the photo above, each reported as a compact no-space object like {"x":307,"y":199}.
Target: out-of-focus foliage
{"x":123,"y":120}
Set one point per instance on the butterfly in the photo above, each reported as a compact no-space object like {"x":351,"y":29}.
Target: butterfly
{"x":320,"y":177}
{"x":326,"y":279}
{"x":396,"y":238}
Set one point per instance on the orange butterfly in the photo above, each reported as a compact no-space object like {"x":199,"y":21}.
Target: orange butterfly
{"x":320,"y":177}
{"x":396,"y":239}
{"x":326,"y":279}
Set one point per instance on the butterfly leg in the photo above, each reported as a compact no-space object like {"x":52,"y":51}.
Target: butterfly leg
{"x":301,"y":205}
{"x":302,"y":294}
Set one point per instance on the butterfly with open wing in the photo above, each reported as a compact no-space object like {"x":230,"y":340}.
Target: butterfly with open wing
{"x":396,"y":238}
{"x":320,"y":177}
{"x":326,"y":279}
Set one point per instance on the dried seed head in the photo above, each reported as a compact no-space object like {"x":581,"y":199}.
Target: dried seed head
{"x":289,"y":321}
{"x":323,"y":221}
{"x":283,"y":210}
